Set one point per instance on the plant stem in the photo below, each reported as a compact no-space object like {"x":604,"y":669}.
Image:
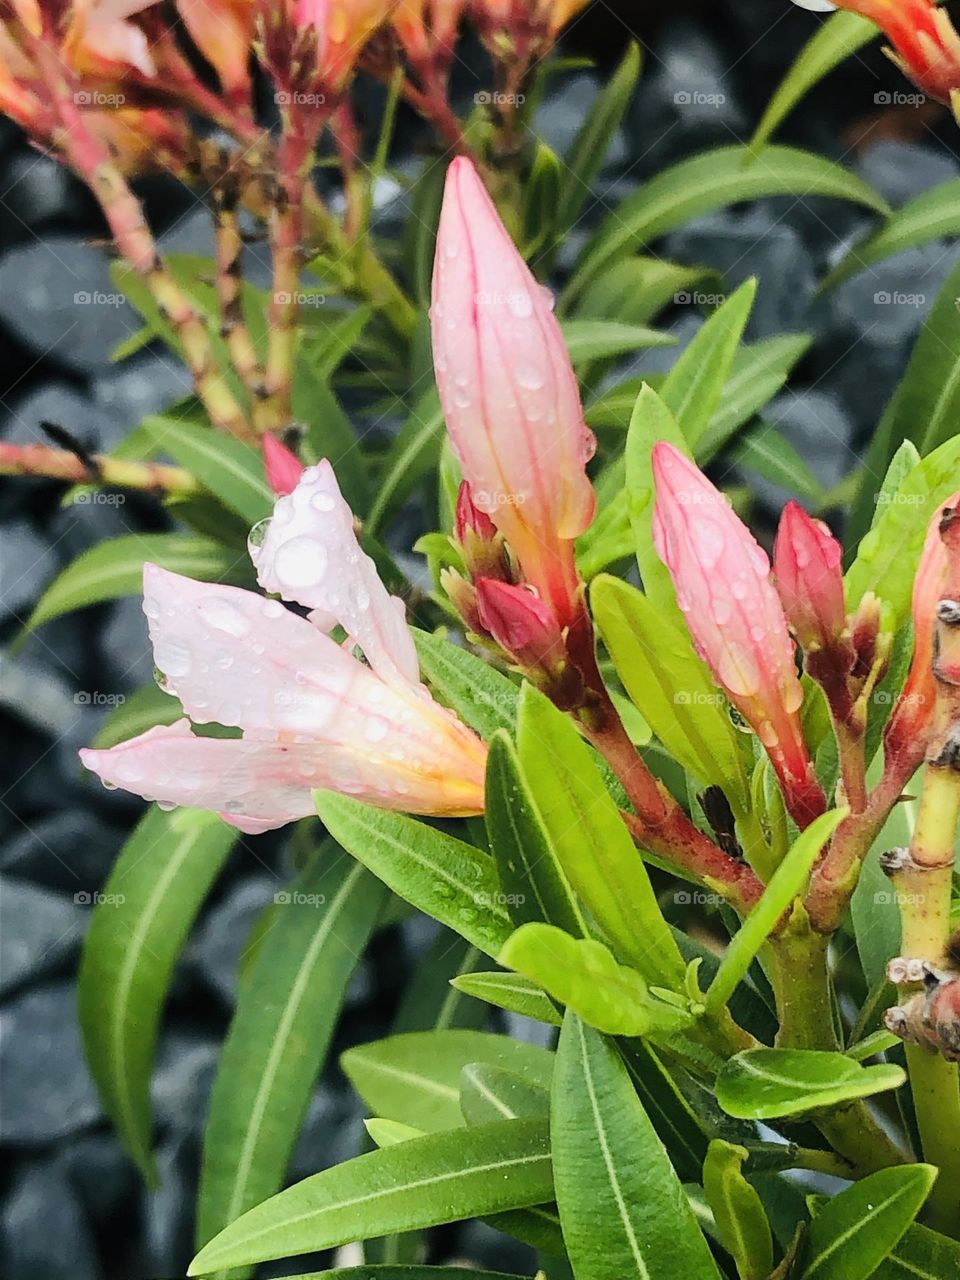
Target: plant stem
{"x":923,"y":887}
{"x":229,"y":256}
{"x":804,"y":994}
{"x":100,"y":469}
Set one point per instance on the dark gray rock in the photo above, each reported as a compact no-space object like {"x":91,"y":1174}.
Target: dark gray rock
{"x":146,"y":383}
{"x":332,"y":1131}
{"x":563,"y":112}
{"x":57,"y":297}
{"x":224,"y":936}
{"x":168,"y":1212}
{"x":102,"y":1174}
{"x":181,"y":1082}
{"x":38,"y":191}
{"x":27,"y":563}
{"x":820,"y":430}
{"x":740,"y":245}
{"x":38,"y":930}
{"x":126,"y":647}
{"x":68,"y":850}
{"x":901,"y":171}
{"x":886,"y":303}
{"x":46,"y":1092}
{"x":45,"y":1233}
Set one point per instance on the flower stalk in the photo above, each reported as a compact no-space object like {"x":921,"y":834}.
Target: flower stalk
{"x":41,"y":460}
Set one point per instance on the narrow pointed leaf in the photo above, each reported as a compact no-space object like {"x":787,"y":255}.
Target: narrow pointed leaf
{"x":139,"y":928}
{"x":929,"y":216}
{"x":531,"y":878}
{"x":738,"y":1211}
{"x":115,"y":568}
{"x":280,"y":1034}
{"x":593,"y":845}
{"x":510,"y":991}
{"x":448,"y":879}
{"x":415,"y":1078}
{"x":624,"y":1213}
{"x":443,"y":1177}
{"x":231,"y":470}
{"x":488,"y":1094}
{"x":787,"y":882}
{"x":481,"y":696}
{"x":856,"y":1230}
{"x":763,"y":1084}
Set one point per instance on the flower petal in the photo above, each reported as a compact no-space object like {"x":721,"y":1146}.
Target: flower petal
{"x":310,"y":554}
{"x":257,"y":785}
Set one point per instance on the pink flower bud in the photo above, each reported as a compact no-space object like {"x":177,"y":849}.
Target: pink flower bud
{"x":283,"y":468}
{"x":806,"y":563}
{"x":722,"y":580}
{"x":508,"y":391}
{"x":470,"y":518}
{"x":913,"y":714}
{"x":520,"y":623}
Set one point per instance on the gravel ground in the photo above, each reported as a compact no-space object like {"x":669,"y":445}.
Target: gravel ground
{"x":72,"y":1207}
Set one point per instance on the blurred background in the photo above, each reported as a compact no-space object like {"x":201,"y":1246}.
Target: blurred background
{"x":71,"y":1204}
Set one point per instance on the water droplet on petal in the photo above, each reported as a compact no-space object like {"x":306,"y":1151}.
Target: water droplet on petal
{"x":301,"y":562}
{"x":376,"y":730}
{"x":322,"y":502}
{"x":520,"y":305}
{"x":530,"y":377}
{"x":256,"y":537}
{"x":173,"y":656}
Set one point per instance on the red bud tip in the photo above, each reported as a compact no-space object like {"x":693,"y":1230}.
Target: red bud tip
{"x":470,"y":518}
{"x":809,"y":580}
{"x":520,"y":623}
{"x":283,"y":468}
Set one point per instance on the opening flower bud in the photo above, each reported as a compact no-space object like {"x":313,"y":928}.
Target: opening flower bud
{"x":807,"y":566}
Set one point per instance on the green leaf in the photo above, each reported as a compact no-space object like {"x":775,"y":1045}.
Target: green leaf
{"x":787,"y":882}
{"x":415,"y":1078}
{"x":663,"y":675}
{"x":679,"y":1127}
{"x":482,"y":697}
{"x":429,"y":1000}
{"x":141,"y":922}
{"x":115,"y":568}
{"x":837,"y":39}
{"x":588,"y":339}
{"x":710,"y":181}
{"x":582,"y":974}
{"x":230,"y":469}
{"x":280,"y":1034}
{"x":622,"y":1207}
{"x":857,"y":1229}
{"x":637,"y":289}
{"x":413,"y":455}
{"x":588,"y":153}
{"x":389,"y":1271}
{"x":762,"y":1084}
{"x":136,"y":714}
{"x":695,"y":384}
{"x":387,"y":1133}
{"x":488,"y":1094}
{"x":509,"y":991}
{"x":651,"y":421}
{"x":592,"y":843}
{"x":330,"y":435}
{"x":772,"y":456}
{"x":888,"y":555}
{"x":758,"y":372}
{"x":738,"y":1211}
{"x":531,"y":877}
{"x":447,"y":878}
{"x":929,"y":216}
{"x":443,"y":1177}
{"x":920,"y":1254}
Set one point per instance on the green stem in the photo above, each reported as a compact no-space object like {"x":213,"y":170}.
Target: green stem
{"x":935,"y":1086}
{"x":804,"y":994}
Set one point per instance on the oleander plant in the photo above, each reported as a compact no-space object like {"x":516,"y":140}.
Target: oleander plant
{"x":682,"y":803}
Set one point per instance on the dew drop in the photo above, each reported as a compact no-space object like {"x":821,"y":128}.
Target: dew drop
{"x":520,"y":305}
{"x":530,"y":377}
{"x":376,"y":729}
{"x":225,"y":616}
{"x":173,"y":656}
{"x":256,"y":537}
{"x":301,"y":562}
{"x":322,"y":502}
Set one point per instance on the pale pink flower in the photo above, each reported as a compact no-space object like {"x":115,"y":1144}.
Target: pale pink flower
{"x":509,"y":393}
{"x":312,"y":713}
{"x":722,"y":581}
